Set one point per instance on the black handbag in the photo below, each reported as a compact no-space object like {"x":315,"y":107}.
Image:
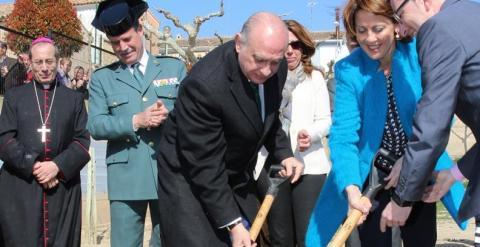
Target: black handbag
{"x":388,"y":156}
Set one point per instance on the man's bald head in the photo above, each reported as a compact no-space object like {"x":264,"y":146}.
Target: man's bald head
{"x":264,"y":23}
{"x":261,"y":45}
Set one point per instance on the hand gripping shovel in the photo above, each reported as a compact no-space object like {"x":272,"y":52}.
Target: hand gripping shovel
{"x":275,"y":181}
{"x":376,"y":182}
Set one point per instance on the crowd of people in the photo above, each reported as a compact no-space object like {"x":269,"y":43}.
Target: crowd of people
{"x":196,"y":148}
{"x":14,"y":73}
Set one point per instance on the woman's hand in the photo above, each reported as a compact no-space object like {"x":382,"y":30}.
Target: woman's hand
{"x":354,"y":202}
{"x":79,"y":83}
{"x":304,"y":141}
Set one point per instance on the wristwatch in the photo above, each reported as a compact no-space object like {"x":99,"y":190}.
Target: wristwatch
{"x":400,"y":202}
{"x":231,"y":226}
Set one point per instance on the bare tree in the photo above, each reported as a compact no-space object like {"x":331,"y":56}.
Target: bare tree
{"x":164,"y":38}
{"x":191,"y":29}
{"x":219,"y":37}
{"x":463,"y":136}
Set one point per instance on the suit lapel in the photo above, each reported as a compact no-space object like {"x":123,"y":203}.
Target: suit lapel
{"x":271,"y":100}
{"x":245,"y":99}
{"x":242,"y":91}
{"x":153,"y":69}
{"x":123,"y":74}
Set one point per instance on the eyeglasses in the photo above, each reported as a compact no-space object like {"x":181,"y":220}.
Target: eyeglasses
{"x":396,"y":14}
{"x":296,"y":44}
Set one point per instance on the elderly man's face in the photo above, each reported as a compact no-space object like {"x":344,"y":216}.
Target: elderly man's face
{"x":259,"y":58}
{"x":44,"y":63}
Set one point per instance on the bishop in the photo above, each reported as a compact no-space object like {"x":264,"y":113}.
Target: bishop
{"x":40,"y":179}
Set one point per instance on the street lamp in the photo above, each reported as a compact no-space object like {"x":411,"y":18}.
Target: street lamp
{"x":311,"y":4}
{"x":167,"y":32}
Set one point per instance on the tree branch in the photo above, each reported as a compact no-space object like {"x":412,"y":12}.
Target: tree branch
{"x":172,"y":43}
{"x":219,"y":37}
{"x":173,"y":18}
{"x":191,"y":29}
{"x":200,"y":20}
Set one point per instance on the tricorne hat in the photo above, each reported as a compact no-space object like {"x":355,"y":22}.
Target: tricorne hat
{"x":115,"y":17}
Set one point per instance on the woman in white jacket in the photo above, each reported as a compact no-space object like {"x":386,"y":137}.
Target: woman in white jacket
{"x":305,"y":117}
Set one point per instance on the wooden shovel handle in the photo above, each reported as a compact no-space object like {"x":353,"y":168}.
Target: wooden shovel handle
{"x":344,"y":231}
{"x":261,"y":216}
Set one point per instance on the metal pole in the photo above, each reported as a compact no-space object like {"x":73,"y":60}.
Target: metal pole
{"x":91,"y":206}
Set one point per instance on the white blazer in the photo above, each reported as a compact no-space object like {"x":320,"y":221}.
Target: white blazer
{"x":311,"y":111}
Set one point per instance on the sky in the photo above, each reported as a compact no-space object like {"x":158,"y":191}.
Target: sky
{"x":319,"y":17}
{"x":316,"y":15}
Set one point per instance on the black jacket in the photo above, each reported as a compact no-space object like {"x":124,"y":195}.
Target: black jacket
{"x":209,"y":149}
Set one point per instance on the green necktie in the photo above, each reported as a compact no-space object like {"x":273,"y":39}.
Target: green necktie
{"x":138,"y":75}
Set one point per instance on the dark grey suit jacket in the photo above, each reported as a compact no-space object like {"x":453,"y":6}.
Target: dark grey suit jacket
{"x":209,"y":149}
{"x":9,"y":62}
{"x":449,"y":51}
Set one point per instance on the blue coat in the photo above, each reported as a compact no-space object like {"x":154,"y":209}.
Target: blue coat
{"x":115,"y":97}
{"x":358,"y":123}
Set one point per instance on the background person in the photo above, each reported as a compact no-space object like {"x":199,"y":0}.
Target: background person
{"x":79,"y":81}
{"x":378,"y":86}
{"x":305,"y":117}
{"x":64,"y":67}
{"x":450,"y":58}
{"x":6,"y":64}
{"x":19,"y":73}
{"x":129,"y":102}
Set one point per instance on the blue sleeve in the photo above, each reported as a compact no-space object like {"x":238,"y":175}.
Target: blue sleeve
{"x":344,"y":134}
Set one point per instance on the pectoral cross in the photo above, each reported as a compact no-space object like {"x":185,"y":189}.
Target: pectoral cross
{"x":44,"y":132}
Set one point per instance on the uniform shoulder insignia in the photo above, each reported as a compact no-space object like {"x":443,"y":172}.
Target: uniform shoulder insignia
{"x":166,"y":56}
{"x":110,"y":66}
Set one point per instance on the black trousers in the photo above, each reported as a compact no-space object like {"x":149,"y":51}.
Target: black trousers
{"x":419,"y":230}
{"x":290,"y":213}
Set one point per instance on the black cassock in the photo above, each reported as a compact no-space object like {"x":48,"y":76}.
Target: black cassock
{"x":30,"y":215}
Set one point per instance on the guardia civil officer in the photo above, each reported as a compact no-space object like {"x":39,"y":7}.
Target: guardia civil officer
{"x":129,"y":102}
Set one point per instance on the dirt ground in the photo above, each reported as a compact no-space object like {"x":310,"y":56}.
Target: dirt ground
{"x":449,"y":235}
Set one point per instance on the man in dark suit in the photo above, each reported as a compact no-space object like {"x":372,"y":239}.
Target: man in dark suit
{"x":210,"y":142}
{"x":449,"y":52}
{"x":18,"y":74}
{"x":6,"y":64}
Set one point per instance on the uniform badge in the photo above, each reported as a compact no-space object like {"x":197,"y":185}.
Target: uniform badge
{"x":166,"y":82}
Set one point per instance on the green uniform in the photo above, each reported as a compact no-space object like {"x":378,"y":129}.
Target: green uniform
{"x":115,"y":96}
